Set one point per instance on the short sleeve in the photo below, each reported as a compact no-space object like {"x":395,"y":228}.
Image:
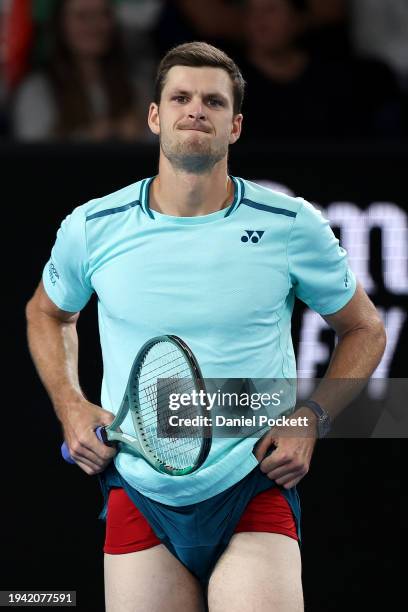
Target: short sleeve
{"x":65,"y":276}
{"x":318,"y":265}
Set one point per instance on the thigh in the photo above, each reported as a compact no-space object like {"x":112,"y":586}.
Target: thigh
{"x":148,"y":581}
{"x":257,"y":571}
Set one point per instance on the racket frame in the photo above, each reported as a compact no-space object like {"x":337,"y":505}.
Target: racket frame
{"x":137,"y":445}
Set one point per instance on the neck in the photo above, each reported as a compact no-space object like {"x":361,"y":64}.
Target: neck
{"x":182,"y":194}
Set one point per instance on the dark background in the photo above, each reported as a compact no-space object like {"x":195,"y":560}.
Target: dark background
{"x":354,"y":499}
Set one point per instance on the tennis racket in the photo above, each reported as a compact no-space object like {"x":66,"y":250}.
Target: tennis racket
{"x":164,"y":365}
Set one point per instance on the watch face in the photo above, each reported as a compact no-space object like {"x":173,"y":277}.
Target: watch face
{"x":323,"y":425}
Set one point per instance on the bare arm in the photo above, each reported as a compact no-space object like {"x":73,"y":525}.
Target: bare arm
{"x":358,"y":326}
{"x":53,"y":343}
{"x":361,"y":344}
{"x":358,"y":352}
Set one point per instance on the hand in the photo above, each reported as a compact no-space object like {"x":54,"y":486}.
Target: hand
{"x":290,"y":460}
{"x":79,"y":423}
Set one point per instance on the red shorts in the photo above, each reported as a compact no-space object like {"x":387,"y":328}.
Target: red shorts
{"x":128,"y":531}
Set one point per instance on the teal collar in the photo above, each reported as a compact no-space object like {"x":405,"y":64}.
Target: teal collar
{"x":225,"y":212}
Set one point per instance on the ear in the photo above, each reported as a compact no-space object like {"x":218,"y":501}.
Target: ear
{"x":236,"y":128}
{"x":153,"y":118}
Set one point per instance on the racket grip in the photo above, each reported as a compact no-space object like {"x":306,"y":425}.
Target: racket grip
{"x":66,"y":454}
{"x":100,"y":434}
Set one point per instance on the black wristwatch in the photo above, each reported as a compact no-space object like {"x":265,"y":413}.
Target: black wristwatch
{"x":323,"y":419}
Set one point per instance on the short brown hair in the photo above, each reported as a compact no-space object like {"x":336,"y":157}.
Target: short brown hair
{"x":200,"y":55}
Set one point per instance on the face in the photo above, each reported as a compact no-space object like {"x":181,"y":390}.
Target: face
{"x":272,"y":25}
{"x":195,"y":118}
{"x":88,"y":26}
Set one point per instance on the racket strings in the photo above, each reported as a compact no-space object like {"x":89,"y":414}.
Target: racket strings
{"x":153,"y":372}
{"x":160,"y":391}
{"x":169,"y":374}
{"x":152,"y":406}
{"x":155,"y":406}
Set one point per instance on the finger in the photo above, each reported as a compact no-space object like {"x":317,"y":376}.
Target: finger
{"x":292,"y":483}
{"x":92,"y":461}
{"x":264,"y":447}
{"x":261,"y":447}
{"x":281,"y":471}
{"x":286,"y":478}
{"x":91,"y":470}
{"x":274,"y":461}
{"x":106,"y":418}
{"x":91,"y":453}
{"x":101,"y":450}
{"x":82,"y":458}
{"x":100,"y":458}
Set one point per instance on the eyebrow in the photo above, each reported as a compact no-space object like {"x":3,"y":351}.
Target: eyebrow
{"x":185,"y":92}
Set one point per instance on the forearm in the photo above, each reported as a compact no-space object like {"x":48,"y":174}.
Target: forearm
{"x":54,"y":349}
{"x":355,"y":357}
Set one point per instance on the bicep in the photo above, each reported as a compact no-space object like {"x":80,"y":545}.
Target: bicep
{"x":42,"y":304}
{"x":358,"y":313}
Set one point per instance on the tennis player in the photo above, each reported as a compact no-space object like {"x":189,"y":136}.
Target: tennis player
{"x":218,"y":261}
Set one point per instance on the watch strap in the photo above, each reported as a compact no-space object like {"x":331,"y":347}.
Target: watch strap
{"x":323,"y":419}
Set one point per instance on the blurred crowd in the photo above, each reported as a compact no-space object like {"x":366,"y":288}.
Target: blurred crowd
{"x":316,"y":70}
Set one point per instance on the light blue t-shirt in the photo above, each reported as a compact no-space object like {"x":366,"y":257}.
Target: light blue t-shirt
{"x":224,"y":282}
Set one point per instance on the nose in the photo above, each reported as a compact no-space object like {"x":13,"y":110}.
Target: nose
{"x":196,"y":111}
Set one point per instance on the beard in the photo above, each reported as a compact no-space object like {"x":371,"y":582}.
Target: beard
{"x":193,"y":155}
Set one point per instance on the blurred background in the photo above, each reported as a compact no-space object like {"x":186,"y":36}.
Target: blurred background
{"x":325,"y":118}
{"x":323,"y":69}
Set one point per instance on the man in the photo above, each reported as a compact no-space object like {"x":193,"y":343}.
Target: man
{"x":218,"y":261}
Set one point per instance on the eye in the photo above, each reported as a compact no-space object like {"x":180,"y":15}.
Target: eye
{"x":215,"y":102}
{"x":180,"y":99}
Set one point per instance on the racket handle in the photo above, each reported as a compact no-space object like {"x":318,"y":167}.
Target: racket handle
{"x":100,"y":434}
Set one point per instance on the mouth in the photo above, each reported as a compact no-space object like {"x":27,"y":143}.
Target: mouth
{"x":190,"y":129}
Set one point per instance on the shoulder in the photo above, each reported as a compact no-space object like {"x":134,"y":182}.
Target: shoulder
{"x":267,"y":201}
{"x":104,"y":208}
{"x":114,"y":203}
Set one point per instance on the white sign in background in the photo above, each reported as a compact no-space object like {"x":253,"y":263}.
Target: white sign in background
{"x":355,"y":225}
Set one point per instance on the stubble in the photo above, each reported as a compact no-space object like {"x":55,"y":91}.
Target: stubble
{"x":193,"y":155}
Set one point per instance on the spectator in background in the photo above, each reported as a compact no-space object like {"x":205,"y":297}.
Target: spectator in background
{"x":373,"y":36}
{"x":380,"y":29}
{"x":296,"y":95}
{"x":137,"y":20}
{"x":328,"y":29}
{"x":84,"y":91}
{"x":215,"y":21}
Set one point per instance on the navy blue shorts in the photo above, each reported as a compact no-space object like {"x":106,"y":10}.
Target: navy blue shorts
{"x":198,"y":534}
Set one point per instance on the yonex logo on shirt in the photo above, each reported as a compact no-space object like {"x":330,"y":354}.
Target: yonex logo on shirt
{"x":253,"y":236}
